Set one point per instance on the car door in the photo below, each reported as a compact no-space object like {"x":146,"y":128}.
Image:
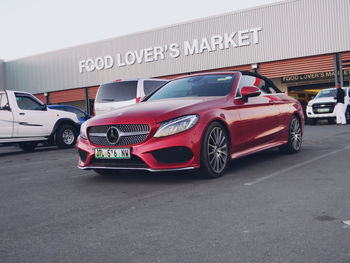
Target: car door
{"x":259,"y":116}
{"x":6,"y":117}
{"x":33,"y":119}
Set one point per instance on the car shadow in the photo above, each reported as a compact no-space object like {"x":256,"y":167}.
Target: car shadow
{"x":239,"y":165}
{"x":6,"y":151}
{"x":145,"y":177}
{"x":236,"y":169}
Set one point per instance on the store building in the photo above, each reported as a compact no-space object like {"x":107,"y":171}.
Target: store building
{"x":303,"y":45}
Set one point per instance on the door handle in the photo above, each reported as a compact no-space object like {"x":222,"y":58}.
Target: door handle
{"x":21,"y":113}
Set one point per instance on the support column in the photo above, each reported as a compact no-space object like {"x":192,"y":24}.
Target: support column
{"x":47,"y":95}
{"x":87,"y":101}
{"x":341,"y":70}
{"x":336,"y":69}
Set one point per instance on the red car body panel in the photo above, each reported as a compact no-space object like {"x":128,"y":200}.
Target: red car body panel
{"x":258,"y":124}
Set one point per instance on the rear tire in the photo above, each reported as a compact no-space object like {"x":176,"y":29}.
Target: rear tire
{"x":28,"y":146}
{"x":295,"y":137}
{"x":66,"y":136}
{"x":214,"y":151}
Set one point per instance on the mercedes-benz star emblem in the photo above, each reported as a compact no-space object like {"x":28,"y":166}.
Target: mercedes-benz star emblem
{"x":112,"y":135}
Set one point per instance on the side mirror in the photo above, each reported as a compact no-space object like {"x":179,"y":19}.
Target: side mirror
{"x":247,"y":92}
{"x":44,"y":107}
{"x":6,"y":107}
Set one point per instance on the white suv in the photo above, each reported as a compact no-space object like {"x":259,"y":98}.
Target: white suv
{"x":120,"y":93}
{"x":322,"y":106}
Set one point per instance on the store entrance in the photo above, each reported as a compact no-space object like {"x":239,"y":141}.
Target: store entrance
{"x":305,"y":93}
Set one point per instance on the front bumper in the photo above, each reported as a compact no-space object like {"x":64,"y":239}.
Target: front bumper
{"x":310,"y":114}
{"x":172,"y":153}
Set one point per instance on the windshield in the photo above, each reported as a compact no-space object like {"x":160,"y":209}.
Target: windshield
{"x":328,"y":93}
{"x":117,"y":91}
{"x":196,"y":86}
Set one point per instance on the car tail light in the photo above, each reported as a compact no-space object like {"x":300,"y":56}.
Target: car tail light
{"x":138,"y":99}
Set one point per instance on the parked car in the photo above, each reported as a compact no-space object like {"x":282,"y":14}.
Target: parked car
{"x":322,"y":106}
{"x":81,"y":115}
{"x":120,"y":93}
{"x":194,"y":122}
{"x":26,"y":121}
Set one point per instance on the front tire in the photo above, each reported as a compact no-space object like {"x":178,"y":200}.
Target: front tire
{"x":214,"y":151}
{"x":66,"y":136}
{"x":294,"y":137}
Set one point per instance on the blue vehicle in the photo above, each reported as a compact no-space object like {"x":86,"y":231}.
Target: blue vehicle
{"x":82,"y":115}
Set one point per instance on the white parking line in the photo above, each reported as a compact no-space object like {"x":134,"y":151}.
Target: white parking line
{"x":264,"y":178}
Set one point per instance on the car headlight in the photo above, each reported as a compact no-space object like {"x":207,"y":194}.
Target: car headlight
{"x":83,"y":131}
{"x":177,"y":125}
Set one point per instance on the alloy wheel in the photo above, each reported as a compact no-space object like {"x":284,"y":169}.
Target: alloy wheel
{"x":68,"y":136}
{"x":295,"y":134}
{"x":217,"y":150}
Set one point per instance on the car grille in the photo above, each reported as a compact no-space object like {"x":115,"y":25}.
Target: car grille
{"x":321,"y":108}
{"x":128,"y":134}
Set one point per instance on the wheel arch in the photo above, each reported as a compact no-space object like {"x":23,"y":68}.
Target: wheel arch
{"x":227,"y":130}
{"x":62,"y":122}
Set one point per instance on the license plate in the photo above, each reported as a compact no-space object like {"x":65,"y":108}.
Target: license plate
{"x":112,"y":153}
{"x":323,"y":110}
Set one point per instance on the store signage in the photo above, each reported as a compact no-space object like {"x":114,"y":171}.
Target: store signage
{"x":213,"y":43}
{"x":312,"y":76}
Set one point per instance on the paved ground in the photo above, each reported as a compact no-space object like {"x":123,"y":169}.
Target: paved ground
{"x":269,"y":207}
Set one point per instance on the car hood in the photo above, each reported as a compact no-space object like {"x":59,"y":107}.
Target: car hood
{"x":59,"y":114}
{"x":158,"y":111}
{"x":322,"y":100}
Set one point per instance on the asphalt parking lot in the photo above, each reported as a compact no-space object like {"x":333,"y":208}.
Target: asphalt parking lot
{"x":269,"y":207}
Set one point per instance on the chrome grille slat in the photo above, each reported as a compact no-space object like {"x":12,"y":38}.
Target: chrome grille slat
{"x":129,"y":134}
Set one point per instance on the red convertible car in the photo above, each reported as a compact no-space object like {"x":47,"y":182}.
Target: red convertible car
{"x":194,"y":122}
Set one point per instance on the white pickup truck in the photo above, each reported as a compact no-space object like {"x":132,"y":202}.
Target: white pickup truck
{"x":322,"y":106}
{"x":26,"y":121}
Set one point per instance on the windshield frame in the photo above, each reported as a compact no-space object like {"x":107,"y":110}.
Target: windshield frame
{"x":332,"y":92}
{"x":233,"y":81}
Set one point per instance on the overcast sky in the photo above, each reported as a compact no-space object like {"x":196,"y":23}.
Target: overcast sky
{"x":30,"y":27}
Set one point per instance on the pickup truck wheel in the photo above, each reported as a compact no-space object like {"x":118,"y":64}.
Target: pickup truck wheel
{"x":66,"y":136}
{"x":28,"y":146}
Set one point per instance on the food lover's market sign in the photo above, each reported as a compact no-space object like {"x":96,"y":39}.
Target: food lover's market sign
{"x":237,"y":39}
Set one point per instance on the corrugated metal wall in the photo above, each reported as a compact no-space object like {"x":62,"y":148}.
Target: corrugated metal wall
{"x":290,"y":29}
{"x":297,"y":66}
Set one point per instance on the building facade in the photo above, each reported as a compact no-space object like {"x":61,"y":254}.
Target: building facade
{"x":302,"y":45}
